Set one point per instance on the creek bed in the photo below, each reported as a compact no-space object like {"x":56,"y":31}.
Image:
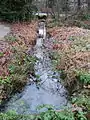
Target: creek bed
{"x":45,"y":88}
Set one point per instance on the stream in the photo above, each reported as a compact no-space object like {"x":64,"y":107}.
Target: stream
{"x":47,"y":90}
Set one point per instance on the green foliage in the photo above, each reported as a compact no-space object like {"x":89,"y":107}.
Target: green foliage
{"x":19,"y":68}
{"x":65,"y":114}
{"x":46,"y":106}
{"x":16,"y":10}
{"x":71,"y":38}
{"x":11,"y":68}
{"x":84,"y":77}
{"x":55,"y":57}
{"x":5,"y":80}
{"x":79,"y":23}
{"x":86,"y":17}
{"x":85,"y":26}
{"x":22,"y":63}
{"x":81,"y":116}
{"x":1,"y":54}
{"x":82,"y":101}
{"x":11,"y":115}
{"x":10,"y":38}
{"x":29,"y":63}
{"x":50,"y":114}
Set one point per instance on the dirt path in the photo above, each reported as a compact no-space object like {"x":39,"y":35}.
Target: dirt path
{"x":4,"y":30}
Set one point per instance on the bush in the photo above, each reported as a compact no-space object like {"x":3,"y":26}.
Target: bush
{"x":16,"y":10}
{"x":84,"y":77}
{"x":86,"y":17}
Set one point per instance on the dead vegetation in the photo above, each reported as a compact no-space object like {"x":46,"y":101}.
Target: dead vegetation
{"x":73,"y":47}
{"x":26,"y":32}
{"x":13,"y":54}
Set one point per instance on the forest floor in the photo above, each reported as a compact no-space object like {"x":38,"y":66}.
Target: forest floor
{"x":72,"y":45}
{"x":71,"y":57}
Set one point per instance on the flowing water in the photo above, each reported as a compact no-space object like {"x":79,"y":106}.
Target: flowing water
{"x":47,"y":90}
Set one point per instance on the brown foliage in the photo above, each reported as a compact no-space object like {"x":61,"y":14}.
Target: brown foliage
{"x":71,"y":44}
{"x":26,"y":32}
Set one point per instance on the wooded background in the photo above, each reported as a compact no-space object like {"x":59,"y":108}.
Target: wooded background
{"x":22,"y":10}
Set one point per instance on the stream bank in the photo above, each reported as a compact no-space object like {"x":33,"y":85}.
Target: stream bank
{"x":15,"y":62}
{"x":71,"y":58}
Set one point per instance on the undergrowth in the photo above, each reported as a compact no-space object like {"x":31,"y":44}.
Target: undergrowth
{"x":50,"y":114}
{"x":85,"y":16}
{"x":20,"y":66}
{"x":72,"y":62}
{"x":82,"y":100}
{"x":84,"y":77}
